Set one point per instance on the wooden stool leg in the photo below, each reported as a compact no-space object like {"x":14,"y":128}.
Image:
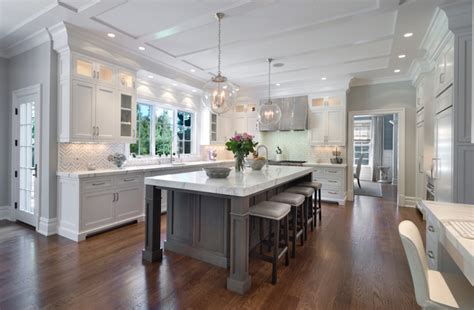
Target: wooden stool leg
{"x":302,"y":223}
{"x":275,"y":250}
{"x":269,"y":236}
{"x":261,"y":235}
{"x":287,"y":240}
{"x":319,"y":202}
{"x":295,"y":231}
{"x":305,"y":219}
{"x":311,"y":209}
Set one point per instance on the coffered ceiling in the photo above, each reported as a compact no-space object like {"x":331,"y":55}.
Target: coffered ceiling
{"x":314,"y":39}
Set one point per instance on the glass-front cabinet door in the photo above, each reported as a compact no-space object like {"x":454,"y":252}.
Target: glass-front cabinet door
{"x":126,"y":80}
{"x":104,"y":73}
{"x":127,"y":116}
{"x":84,"y":68}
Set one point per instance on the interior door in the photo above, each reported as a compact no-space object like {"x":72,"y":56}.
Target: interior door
{"x":25,"y":157}
{"x":105,"y":113}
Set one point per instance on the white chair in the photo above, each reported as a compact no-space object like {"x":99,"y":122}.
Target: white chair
{"x":433,"y":289}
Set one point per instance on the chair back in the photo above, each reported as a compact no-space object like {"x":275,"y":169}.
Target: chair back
{"x":359,"y":164}
{"x":415,"y":252}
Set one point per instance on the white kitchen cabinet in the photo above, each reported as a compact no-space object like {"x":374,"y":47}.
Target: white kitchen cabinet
{"x":444,"y":68}
{"x":224,"y":128}
{"x":443,"y":156}
{"x":327,"y":119}
{"x":240,"y":124}
{"x":91,"y":97}
{"x":92,"y":204}
{"x":333,"y":183}
{"x":420,"y":172}
{"x":327,"y":127}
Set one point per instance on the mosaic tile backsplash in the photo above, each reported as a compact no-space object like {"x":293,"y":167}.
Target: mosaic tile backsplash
{"x":295,"y":146}
{"x":77,"y":156}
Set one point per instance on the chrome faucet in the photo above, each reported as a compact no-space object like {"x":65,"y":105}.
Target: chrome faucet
{"x":266,"y":153}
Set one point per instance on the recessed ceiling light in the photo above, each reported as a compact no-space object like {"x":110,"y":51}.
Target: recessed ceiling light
{"x":237,"y":89}
{"x":141,"y":48}
{"x":324,"y":78}
{"x":277,"y":84}
{"x":150,"y":76}
{"x":194,"y":90}
{"x":175,"y":84}
{"x":402,"y":56}
{"x":408,"y":34}
{"x":111,"y":35}
{"x":396,"y":70}
{"x":192,"y":70}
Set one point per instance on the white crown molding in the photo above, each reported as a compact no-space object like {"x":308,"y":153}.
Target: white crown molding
{"x":459,"y":15}
{"x":31,"y":41}
{"x":362,"y":82}
{"x":47,"y":227}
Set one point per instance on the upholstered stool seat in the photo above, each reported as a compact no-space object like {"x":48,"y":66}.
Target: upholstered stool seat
{"x":308,"y":192}
{"x":313,"y":184}
{"x":297,"y":209}
{"x":270,"y":210}
{"x":275,"y":212}
{"x":302,"y":190}
{"x":289,"y":198}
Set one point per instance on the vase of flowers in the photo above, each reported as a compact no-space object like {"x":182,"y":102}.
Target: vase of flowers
{"x":241,"y":144}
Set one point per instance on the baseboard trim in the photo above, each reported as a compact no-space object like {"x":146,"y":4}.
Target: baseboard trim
{"x":5,"y":213}
{"x":48,"y":227}
{"x":408,"y":201}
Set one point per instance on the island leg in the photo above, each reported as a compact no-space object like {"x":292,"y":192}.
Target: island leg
{"x":239,"y":280}
{"x":152,"y":251}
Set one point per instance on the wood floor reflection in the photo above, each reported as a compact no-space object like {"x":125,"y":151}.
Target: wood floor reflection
{"x":354,"y":260}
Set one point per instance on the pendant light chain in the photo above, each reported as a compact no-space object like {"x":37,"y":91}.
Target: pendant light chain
{"x":219,"y":46}
{"x":269,"y":82}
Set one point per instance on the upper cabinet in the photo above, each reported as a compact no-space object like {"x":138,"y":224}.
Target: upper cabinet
{"x":444,"y":69}
{"x":327,"y":120}
{"x":96,"y":101}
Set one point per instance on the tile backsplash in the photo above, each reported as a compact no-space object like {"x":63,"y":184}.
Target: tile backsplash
{"x":77,"y":156}
{"x":295,"y":146}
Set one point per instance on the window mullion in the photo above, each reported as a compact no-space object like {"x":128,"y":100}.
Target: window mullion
{"x":153,"y":131}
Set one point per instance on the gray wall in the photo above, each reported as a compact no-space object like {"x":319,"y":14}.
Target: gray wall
{"x":38,"y":66}
{"x":4,"y":134}
{"x":389,"y":96}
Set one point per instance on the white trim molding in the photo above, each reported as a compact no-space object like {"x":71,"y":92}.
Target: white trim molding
{"x":410,"y":202}
{"x":47,"y":227}
{"x":31,"y":41}
{"x":401,"y":150}
{"x":5,"y":213}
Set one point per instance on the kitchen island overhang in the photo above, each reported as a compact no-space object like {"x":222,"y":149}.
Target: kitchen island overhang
{"x":208,"y":219}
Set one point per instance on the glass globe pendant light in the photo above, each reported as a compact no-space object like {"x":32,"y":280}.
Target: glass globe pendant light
{"x":269,"y":113}
{"x":219,"y":94}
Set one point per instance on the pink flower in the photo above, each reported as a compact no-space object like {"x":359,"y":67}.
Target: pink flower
{"x":245,"y":136}
{"x":237,"y":137}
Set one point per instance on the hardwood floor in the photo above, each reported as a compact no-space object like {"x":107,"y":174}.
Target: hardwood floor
{"x":354,"y":260}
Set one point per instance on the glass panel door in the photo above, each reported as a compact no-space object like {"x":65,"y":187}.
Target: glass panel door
{"x":84,"y":68}
{"x":105,"y":74}
{"x":125,"y":115}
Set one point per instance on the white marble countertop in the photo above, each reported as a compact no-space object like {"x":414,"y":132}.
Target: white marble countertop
{"x":236,"y":184}
{"x":324,"y":165}
{"x":145,"y":168}
{"x":444,"y":212}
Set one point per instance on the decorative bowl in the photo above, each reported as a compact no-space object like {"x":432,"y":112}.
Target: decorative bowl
{"x":256,"y":163}
{"x":217,"y":172}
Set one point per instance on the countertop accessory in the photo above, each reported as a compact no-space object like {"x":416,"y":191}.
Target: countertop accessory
{"x":241,"y":144}
{"x":337,"y":159}
{"x":212,"y":154}
{"x":256,"y":163}
{"x":91,"y":167}
{"x":118,"y":159}
{"x":217,"y":172}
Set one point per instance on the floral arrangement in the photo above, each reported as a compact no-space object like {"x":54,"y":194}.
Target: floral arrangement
{"x":241,"y":145}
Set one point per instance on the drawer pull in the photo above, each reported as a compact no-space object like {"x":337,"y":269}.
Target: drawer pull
{"x":333,"y":193}
{"x":430,"y":254}
{"x":98,"y":184}
{"x":332,"y":181}
{"x":129,"y":180}
{"x":332,"y":171}
{"x":431,"y":228}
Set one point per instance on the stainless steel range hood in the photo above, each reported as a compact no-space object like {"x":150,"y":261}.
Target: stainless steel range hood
{"x":294,"y":114}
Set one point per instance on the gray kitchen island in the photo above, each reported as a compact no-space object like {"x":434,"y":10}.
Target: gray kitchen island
{"x":208,"y":219}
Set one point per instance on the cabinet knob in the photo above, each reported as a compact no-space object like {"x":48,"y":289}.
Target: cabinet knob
{"x":431,"y":254}
{"x":431,"y":228}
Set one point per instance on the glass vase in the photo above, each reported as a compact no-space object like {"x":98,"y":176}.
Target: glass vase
{"x":239,"y":162}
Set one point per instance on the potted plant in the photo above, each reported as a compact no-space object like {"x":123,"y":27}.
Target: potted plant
{"x":241,"y":145}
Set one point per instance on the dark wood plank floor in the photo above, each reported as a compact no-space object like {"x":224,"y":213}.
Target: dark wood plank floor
{"x":354,"y":260}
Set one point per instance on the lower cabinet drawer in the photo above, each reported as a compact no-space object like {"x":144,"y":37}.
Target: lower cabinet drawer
{"x":331,"y":193}
{"x":334,"y":173}
{"x":128,"y":180}
{"x":97,"y":183}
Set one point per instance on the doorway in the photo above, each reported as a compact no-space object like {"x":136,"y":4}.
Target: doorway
{"x":25,"y":154}
{"x":376,"y":153}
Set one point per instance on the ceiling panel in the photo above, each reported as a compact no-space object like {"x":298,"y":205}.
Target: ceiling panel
{"x":358,"y":30}
{"x":320,"y":58}
{"x":346,"y":69}
{"x":140,"y":17}
{"x":16,"y":13}
{"x":271,"y":18}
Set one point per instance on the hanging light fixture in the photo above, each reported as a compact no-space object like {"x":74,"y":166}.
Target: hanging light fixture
{"x":219,"y":94}
{"x":269,"y":113}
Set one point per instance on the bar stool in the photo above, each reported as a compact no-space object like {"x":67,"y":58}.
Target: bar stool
{"x":296,"y":202}
{"x":275,"y":212}
{"x":317,"y":210}
{"x":308,"y":202}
